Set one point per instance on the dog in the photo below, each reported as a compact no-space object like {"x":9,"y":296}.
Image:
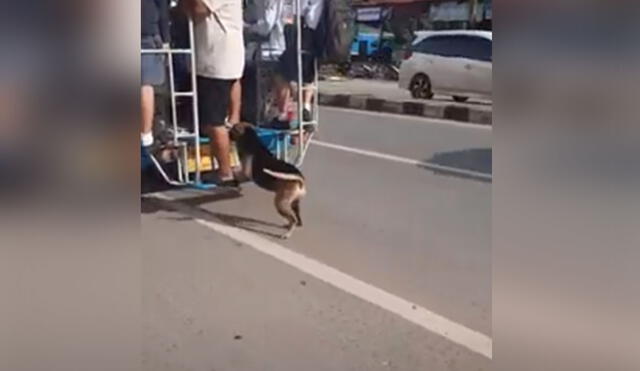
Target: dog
{"x":271,"y":174}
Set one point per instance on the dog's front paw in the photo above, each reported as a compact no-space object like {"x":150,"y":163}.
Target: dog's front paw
{"x":286,"y":236}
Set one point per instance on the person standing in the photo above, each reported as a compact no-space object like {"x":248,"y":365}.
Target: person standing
{"x":220,"y":62}
{"x":154,"y":35}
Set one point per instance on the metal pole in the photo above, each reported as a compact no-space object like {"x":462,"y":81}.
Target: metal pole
{"x":163,"y":173}
{"x":194,"y":100}
{"x":184,"y":151}
{"x":300,"y":82}
{"x":285,"y":152}
{"x":316,"y":108}
{"x":174,"y":112}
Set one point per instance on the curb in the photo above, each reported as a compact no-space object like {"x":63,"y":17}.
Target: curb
{"x":372,"y":104}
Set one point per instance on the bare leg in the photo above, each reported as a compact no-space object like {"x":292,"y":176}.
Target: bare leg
{"x":148,"y":108}
{"x":235,"y":104}
{"x":308,"y":94}
{"x":220,"y":149}
{"x":283,"y":94}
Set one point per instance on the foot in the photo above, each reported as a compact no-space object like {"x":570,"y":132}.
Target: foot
{"x":306,"y":115}
{"x":309,"y":129}
{"x":227,"y":181}
{"x":290,"y":227}
{"x":146,"y":139}
{"x":231,"y":183}
{"x":287,"y":235}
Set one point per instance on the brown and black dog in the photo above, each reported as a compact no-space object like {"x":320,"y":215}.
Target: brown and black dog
{"x":271,"y":174}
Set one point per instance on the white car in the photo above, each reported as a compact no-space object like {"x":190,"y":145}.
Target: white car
{"x":456,"y":63}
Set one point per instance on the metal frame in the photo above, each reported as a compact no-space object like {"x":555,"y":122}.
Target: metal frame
{"x":303,"y":145}
{"x":284,"y":136}
{"x":181,"y":139}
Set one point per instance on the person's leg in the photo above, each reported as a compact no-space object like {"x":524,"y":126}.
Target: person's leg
{"x":307,"y":100}
{"x":151,"y":74}
{"x":148,"y":109}
{"x":308,"y":92}
{"x":307,"y":95}
{"x":220,"y":147}
{"x":221,"y":95}
{"x":285,"y":74}
{"x":235,"y":104}
{"x":213,"y":105}
{"x":283,"y":94}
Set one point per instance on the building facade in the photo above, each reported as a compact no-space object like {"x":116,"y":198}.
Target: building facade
{"x":432,"y":14}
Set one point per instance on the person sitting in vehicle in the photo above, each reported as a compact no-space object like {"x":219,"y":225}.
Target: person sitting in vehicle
{"x":264,"y":43}
{"x":311,"y":11}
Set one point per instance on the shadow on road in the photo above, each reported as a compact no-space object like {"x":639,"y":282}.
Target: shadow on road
{"x":478,"y":160}
{"x":150,"y":182}
{"x":190,"y":210}
{"x":248,"y":224}
{"x":150,"y":205}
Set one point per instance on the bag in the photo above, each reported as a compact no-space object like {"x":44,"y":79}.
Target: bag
{"x":336,"y":31}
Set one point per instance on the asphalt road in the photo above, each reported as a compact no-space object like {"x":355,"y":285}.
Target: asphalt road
{"x":392,"y":270}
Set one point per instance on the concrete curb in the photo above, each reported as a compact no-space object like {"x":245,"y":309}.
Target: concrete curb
{"x":426,"y":109}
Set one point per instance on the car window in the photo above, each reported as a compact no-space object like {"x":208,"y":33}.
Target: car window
{"x":474,"y":47}
{"x":471,"y":47}
{"x":437,"y":45}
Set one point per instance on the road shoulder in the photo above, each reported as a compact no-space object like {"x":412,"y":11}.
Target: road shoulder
{"x":375,"y":96}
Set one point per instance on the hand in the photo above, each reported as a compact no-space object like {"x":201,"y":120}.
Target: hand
{"x":166,"y":46}
{"x":201,"y":13}
{"x":195,"y":9}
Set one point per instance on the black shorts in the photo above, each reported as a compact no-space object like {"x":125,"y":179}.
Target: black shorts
{"x":288,"y":67}
{"x":152,"y":65}
{"x":213,"y":101}
{"x":288,"y":64}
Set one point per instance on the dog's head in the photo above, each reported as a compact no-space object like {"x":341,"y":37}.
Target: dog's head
{"x":238,"y":130}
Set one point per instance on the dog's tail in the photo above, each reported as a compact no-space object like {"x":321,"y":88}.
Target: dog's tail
{"x":286,"y":176}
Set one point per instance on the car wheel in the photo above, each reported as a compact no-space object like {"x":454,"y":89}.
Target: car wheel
{"x":421,"y":87}
{"x":460,"y":99}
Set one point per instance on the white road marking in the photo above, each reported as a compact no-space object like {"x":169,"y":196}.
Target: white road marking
{"x":416,"y":119}
{"x":433,"y":322}
{"x":404,"y":160}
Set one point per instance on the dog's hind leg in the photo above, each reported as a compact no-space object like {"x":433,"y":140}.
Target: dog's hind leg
{"x":295,"y":205}
{"x":284,"y":207}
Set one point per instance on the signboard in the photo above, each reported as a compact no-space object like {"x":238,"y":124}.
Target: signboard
{"x":450,"y":12}
{"x":371,"y":14}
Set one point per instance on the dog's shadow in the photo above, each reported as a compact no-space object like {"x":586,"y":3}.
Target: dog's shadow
{"x":247,"y":224}
{"x":190,"y":210}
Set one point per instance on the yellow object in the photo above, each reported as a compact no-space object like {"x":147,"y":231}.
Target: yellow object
{"x":207,"y":161}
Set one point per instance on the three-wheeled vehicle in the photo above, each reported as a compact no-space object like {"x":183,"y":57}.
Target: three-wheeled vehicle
{"x":181,"y":132}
